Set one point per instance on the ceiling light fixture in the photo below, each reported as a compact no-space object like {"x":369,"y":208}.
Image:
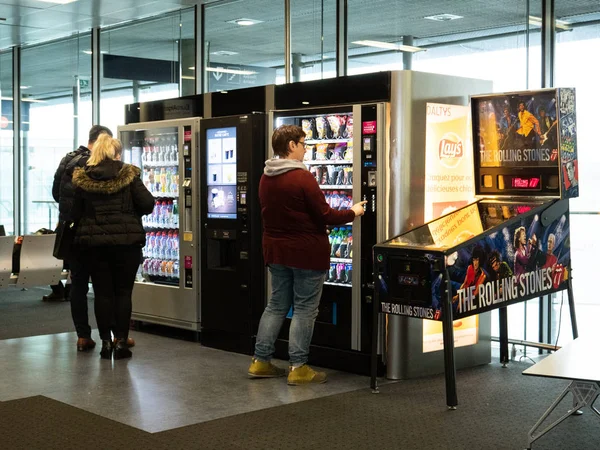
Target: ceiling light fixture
{"x":234,"y":71}
{"x":443,"y":17}
{"x":224,"y":53}
{"x":60,"y":2}
{"x":245,"y":22}
{"x":560,"y":24}
{"x":89,"y":52}
{"x":390,"y":46}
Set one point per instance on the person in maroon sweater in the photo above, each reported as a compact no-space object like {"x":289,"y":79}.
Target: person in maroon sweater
{"x":296,"y":251}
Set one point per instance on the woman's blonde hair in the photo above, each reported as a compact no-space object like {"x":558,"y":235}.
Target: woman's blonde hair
{"x":105,"y":147}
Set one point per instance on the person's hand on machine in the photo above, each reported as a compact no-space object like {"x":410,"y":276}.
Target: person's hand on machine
{"x":359,"y":208}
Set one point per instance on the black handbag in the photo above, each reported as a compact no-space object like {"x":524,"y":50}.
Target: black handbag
{"x":65,"y":235}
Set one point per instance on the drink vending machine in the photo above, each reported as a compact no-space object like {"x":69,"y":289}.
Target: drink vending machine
{"x":510,"y":245}
{"x":232,"y":151}
{"x":167,"y":286}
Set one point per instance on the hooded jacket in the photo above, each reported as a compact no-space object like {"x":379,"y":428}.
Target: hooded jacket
{"x":62,"y":187}
{"x":295,"y":215}
{"x":109,"y":201}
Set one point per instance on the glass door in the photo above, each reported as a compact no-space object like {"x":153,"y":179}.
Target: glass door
{"x":156,"y":153}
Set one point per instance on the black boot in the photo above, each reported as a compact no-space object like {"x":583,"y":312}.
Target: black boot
{"x":107,"y":349}
{"x":122,"y":349}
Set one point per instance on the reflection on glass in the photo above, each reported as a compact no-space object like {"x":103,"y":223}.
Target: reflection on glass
{"x":6,"y":145}
{"x":57,"y":115}
{"x":248,"y":53}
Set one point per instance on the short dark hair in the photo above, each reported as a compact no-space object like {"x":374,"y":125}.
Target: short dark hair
{"x":495,"y":256}
{"x":282,"y":137}
{"x":478,"y":253}
{"x":524,"y":104}
{"x":96,"y":131}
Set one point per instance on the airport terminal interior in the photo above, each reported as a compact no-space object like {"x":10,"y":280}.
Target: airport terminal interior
{"x":411,"y":106}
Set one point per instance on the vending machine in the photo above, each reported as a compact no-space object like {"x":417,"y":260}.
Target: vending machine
{"x":167,"y":286}
{"x":364,"y":141}
{"x":510,"y":245}
{"x":232,"y":153}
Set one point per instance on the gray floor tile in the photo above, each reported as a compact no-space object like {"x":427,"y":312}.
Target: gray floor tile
{"x":167,"y":384}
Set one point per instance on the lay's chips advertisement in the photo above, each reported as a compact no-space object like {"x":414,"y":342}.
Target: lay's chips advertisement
{"x":448,"y":161}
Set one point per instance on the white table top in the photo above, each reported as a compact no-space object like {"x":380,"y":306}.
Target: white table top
{"x":577,"y":361}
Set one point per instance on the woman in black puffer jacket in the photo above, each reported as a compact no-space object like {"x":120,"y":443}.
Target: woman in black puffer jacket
{"x":110,"y":199}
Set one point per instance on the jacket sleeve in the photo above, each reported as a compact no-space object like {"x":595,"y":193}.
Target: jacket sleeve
{"x":58,"y":175}
{"x":143,"y":200}
{"x":318,"y":207}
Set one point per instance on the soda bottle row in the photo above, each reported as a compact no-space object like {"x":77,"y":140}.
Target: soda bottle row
{"x":160,"y":268}
{"x":160,"y":150}
{"x":162,"y":245}
{"x":338,"y":200}
{"x":164,"y":215}
{"x":162,"y":181}
{"x":340,"y":240}
{"x":332,"y":175}
{"x":340,"y":273}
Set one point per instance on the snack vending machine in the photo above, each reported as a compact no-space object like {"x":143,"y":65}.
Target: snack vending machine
{"x":343,"y":146}
{"x":365,"y":137}
{"x":167,"y":285}
{"x":513,"y":243}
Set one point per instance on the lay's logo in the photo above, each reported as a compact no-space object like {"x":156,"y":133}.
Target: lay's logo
{"x":451,"y":150}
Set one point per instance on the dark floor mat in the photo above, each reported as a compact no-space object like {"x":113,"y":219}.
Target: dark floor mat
{"x":42,"y":423}
{"x":497,"y":409}
{"x":23,"y":313}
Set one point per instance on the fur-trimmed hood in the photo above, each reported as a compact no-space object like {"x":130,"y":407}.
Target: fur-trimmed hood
{"x":108,"y":177}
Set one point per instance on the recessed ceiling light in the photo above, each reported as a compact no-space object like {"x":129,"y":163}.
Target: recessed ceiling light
{"x":235,"y":71}
{"x":245,"y":22}
{"x":25,"y":87}
{"x":191,"y":68}
{"x":444,"y":17}
{"x":224,"y":53}
{"x":89,"y":52}
{"x":60,"y":2}
{"x":390,"y":46}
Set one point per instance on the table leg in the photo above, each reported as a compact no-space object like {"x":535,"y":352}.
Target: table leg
{"x":584,"y":393}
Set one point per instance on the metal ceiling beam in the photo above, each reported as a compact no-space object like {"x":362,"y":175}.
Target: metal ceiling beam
{"x":201,"y":54}
{"x":548,"y":42}
{"x":96,"y":76}
{"x":288,"y":41}
{"x":342,"y":38}
{"x":18,"y":190}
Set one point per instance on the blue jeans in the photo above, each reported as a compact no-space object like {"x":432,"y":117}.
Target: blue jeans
{"x":297,"y":288}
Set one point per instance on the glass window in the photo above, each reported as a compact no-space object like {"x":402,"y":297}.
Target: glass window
{"x":447,"y":38}
{"x":578,"y":38}
{"x":244,"y":44}
{"x":132,"y":70}
{"x":6,"y":144}
{"x":56,"y":116}
{"x":313,"y":39}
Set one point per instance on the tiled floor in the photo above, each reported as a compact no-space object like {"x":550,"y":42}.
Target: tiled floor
{"x":167,"y":384}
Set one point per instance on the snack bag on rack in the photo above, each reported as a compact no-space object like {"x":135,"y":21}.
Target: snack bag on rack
{"x":321,"y":154}
{"x":323,"y":130}
{"x":308,"y":126}
{"x":335,"y":125}
{"x":310,"y":153}
{"x":349,"y":127}
{"x":349,"y":153}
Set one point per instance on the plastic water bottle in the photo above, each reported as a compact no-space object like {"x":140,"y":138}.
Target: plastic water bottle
{"x":175,"y":214}
{"x":176,"y":269}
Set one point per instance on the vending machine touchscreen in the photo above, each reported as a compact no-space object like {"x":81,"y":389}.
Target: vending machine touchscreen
{"x":221,"y":172}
